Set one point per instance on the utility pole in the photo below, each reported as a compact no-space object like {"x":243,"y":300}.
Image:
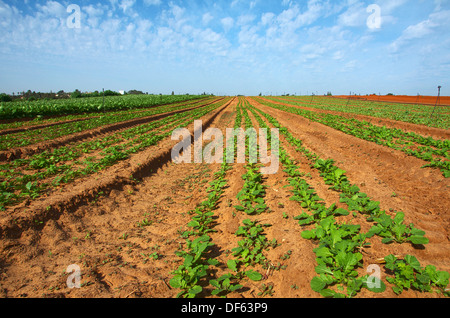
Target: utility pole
{"x":437,"y":101}
{"x":348,"y":99}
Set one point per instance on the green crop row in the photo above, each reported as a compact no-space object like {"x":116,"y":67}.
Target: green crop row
{"x":416,"y":114}
{"x":190,"y":276}
{"x":18,"y":182}
{"x":392,"y":229}
{"x":339,"y":253}
{"x":436,"y":152}
{"x":251,"y":198}
{"x":30,"y":137}
{"x":31,"y":109}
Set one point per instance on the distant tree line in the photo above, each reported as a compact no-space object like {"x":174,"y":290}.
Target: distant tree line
{"x":78,"y":94}
{"x":32,"y":95}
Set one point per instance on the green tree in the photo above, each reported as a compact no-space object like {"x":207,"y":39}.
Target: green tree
{"x":76,"y":94}
{"x":5,"y":98}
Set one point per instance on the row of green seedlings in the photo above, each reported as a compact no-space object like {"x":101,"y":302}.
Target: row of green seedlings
{"x":29,"y":137}
{"x":193,"y":273}
{"x":401,"y":112}
{"x":391,"y":229}
{"x":249,"y":251}
{"x":340,"y":245}
{"x":383,"y":136}
{"x":338,"y":255}
{"x":251,"y":197}
{"x":16,"y":187}
{"x":251,"y":248}
{"x":56,"y":107}
{"x":64,"y":119}
{"x":48,"y":164}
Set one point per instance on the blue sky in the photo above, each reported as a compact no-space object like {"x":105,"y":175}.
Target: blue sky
{"x":227,"y":47}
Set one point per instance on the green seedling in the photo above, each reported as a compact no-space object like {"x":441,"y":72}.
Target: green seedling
{"x":144,"y":223}
{"x":408,"y":273}
{"x":394,"y":230}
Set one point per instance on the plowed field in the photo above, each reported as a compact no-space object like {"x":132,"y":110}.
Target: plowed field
{"x":351,"y":192}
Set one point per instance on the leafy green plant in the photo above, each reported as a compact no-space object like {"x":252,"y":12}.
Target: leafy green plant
{"x":252,"y":194}
{"x":408,"y":273}
{"x":251,"y":247}
{"x":188,"y":275}
{"x":224,"y":285}
{"x":144,"y":222}
{"x":393,"y":229}
{"x":267,"y":290}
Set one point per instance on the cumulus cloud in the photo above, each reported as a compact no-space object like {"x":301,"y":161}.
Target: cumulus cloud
{"x":227,"y":23}
{"x":206,"y":18}
{"x":152,"y":2}
{"x":437,"y":21}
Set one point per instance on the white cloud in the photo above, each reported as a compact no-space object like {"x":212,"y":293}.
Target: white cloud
{"x":389,"y":6}
{"x":436,"y":21}
{"x":152,"y":2}
{"x":227,"y":23}
{"x":206,"y":18}
{"x":93,"y":14}
{"x":355,"y":16}
{"x":317,"y":35}
{"x":286,"y":3}
{"x":53,"y":9}
{"x":245,"y":19}
{"x":125,"y":5}
{"x":267,"y":18}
